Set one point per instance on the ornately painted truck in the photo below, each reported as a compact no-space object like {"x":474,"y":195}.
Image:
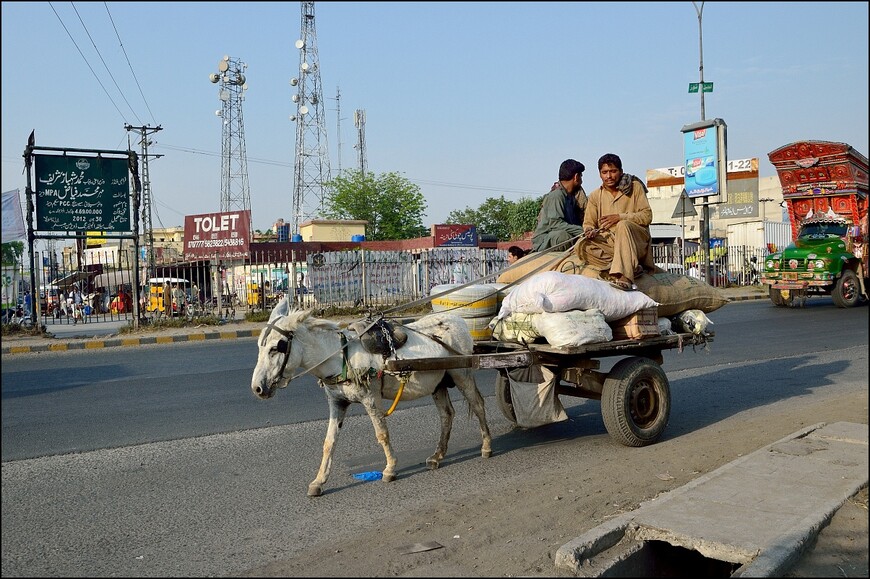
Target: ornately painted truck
{"x":825,"y":186}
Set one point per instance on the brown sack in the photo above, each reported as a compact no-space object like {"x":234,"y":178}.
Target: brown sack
{"x":531,"y":262}
{"x":677,"y":293}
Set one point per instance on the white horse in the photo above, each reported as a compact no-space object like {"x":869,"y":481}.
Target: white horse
{"x":349,"y":373}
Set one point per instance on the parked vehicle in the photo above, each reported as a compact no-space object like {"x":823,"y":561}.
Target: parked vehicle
{"x":825,"y":187}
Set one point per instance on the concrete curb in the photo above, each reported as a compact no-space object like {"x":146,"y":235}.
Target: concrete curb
{"x":95,"y":343}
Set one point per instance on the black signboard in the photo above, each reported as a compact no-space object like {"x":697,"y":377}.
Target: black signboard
{"x":77,"y":193}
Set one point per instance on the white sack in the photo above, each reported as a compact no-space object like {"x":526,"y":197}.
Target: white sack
{"x":518,"y":328}
{"x":573,"y":328}
{"x":553,"y":291}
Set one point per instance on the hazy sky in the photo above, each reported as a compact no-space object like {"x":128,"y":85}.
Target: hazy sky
{"x":468,"y":100}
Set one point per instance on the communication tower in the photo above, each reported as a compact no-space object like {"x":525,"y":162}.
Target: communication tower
{"x":359,"y":121}
{"x":311,"y":168}
{"x":235,"y":192}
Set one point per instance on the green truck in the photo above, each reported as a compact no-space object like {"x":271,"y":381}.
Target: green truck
{"x":825,"y":188}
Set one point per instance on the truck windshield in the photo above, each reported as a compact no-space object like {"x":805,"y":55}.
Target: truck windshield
{"x":819,"y":230}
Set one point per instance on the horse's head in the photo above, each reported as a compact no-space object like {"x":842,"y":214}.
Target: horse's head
{"x":277,"y":355}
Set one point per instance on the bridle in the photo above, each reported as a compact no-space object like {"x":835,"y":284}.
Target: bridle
{"x":283,"y":345}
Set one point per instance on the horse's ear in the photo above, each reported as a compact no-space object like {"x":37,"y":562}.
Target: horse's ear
{"x":282,"y":309}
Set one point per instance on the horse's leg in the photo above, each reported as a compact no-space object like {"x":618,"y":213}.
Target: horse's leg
{"x":337,"y":410}
{"x":379,"y":421}
{"x":445,"y":409}
{"x":464,"y":380}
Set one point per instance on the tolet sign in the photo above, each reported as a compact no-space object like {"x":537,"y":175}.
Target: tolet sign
{"x":224,"y":235}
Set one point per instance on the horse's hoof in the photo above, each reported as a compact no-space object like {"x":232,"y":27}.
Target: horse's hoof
{"x":315,"y":490}
{"x":432,"y":463}
{"x":485,"y":453}
{"x":388,"y":477}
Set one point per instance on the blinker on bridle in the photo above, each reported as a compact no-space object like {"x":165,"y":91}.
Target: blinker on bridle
{"x":283,"y":346}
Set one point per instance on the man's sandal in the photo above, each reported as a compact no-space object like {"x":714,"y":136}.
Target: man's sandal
{"x":621,"y":284}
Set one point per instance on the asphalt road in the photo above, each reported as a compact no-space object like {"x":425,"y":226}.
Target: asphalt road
{"x":158,"y":460}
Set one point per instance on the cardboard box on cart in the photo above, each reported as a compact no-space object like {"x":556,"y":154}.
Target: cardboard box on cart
{"x":641,"y":324}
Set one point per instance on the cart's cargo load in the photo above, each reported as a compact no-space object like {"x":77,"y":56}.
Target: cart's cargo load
{"x":574,"y":327}
{"x":674,"y":292}
{"x":519,"y":328}
{"x":694,"y":321}
{"x":677,"y":293}
{"x":552,"y":291}
{"x":529,"y":263}
{"x":637,"y":326}
{"x":474,"y":301}
{"x":479,"y":328}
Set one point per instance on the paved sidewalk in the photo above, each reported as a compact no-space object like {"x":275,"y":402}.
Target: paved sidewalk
{"x":95,"y":335}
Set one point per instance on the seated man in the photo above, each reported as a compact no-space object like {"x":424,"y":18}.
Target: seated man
{"x":561,"y":217}
{"x":616,"y":225}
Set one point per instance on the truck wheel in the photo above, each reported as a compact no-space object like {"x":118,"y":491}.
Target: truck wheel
{"x":503,"y":396}
{"x":846,"y":292}
{"x":636,"y":401}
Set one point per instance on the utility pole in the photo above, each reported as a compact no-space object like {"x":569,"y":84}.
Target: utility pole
{"x":311,"y":167}
{"x":705,"y":229}
{"x":147,"y":228}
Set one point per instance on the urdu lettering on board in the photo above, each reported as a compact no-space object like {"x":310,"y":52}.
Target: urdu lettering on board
{"x":77,"y":193}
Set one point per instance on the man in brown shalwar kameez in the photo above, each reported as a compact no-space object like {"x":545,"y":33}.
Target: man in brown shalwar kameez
{"x":616,"y":226}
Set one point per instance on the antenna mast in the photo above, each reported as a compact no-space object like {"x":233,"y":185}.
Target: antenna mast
{"x":147,"y":227}
{"x":311,"y":168}
{"x":359,"y":121}
{"x":235,"y":192}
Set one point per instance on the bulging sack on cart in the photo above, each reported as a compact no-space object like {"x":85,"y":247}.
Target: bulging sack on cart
{"x":573,"y":328}
{"x":533,"y":395}
{"x":519,"y":328}
{"x":552,"y":291}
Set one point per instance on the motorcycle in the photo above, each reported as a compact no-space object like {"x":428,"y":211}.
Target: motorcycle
{"x":18,"y":317}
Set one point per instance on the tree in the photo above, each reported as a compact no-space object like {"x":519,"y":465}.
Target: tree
{"x":507,"y":220}
{"x":392,"y":205}
{"x":12,"y":252}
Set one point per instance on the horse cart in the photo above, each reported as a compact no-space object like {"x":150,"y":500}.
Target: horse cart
{"x":635,"y":394}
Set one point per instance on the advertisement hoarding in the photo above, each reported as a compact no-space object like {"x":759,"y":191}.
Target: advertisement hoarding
{"x":225,"y":235}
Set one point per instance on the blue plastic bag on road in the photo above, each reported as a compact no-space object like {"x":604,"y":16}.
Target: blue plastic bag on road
{"x":371,"y":475}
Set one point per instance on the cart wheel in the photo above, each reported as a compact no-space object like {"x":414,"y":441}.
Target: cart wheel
{"x":636,"y":401}
{"x":503,"y":395}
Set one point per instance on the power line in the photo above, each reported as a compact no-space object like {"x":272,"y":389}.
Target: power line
{"x":94,"y":44}
{"x":147,"y":106}
{"x":86,"y":62}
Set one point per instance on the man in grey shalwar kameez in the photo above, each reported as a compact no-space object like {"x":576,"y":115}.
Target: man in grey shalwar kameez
{"x":560,"y":220}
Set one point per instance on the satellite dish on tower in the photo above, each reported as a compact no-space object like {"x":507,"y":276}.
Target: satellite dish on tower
{"x":294,"y":81}
{"x":304,"y":67}
{"x":223,"y":65}
{"x":218,"y":113}
{"x":213,"y":77}
{"x":295,"y":98}
{"x":240,"y":79}
{"x":300,"y":43}
{"x":303,"y":110}
{"x":292,"y":118}
{"x":224,"y":95}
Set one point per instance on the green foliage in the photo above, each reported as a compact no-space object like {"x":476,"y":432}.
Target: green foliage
{"x":12,"y":252}
{"x":392,"y":205}
{"x":507,"y":220}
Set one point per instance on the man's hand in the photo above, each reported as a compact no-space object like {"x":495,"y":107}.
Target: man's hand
{"x":608,"y":221}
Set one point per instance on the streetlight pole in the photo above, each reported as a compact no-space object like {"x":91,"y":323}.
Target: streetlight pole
{"x":700,"y":12}
{"x":705,"y":231}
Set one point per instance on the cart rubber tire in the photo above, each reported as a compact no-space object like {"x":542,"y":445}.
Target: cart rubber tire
{"x":636,"y":401}
{"x":503,"y":396}
{"x":847,"y":290}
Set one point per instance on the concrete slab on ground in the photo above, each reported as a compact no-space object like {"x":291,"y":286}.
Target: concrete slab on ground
{"x":754,"y":516}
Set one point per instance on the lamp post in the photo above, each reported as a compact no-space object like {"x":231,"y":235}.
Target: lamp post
{"x":764,"y":200}
{"x":705,"y":214}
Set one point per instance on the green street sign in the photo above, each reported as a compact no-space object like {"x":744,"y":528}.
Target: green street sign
{"x":705,"y":87}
